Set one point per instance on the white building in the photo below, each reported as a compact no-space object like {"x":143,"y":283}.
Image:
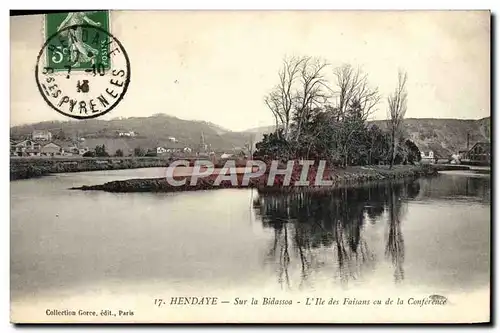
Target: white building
{"x":41,"y":135}
{"x":427,"y":159}
{"x":127,"y":134}
{"x":26,"y":148}
{"x":82,"y":151}
{"x":430,"y":154}
{"x":51,"y":149}
{"x":160,"y":150}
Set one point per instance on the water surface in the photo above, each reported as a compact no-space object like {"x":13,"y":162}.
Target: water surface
{"x":430,"y":236}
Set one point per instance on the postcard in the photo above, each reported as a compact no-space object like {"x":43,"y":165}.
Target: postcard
{"x":250,"y":167}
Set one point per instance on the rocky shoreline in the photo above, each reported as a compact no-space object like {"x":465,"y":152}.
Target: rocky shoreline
{"x":349,"y":177}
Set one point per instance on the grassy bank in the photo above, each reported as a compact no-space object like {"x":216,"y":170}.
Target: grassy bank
{"x":450,"y":167}
{"x":24,"y":168}
{"x":351,"y":176}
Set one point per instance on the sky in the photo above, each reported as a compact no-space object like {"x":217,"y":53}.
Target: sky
{"x":217,"y":66}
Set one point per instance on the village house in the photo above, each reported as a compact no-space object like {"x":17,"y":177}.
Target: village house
{"x":41,"y":135}
{"x":127,"y":134}
{"x":69,"y":149}
{"x":455,"y":158}
{"x":160,"y":150}
{"x":428,"y":158}
{"x":83,"y":150}
{"x":225,"y":155}
{"x":51,"y":149}
{"x":26,"y":148}
{"x":479,"y":154}
{"x":33,"y":152}
{"x":430,"y":155}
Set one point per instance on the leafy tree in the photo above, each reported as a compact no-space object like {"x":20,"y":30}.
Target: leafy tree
{"x":60,"y":135}
{"x":138,"y":151}
{"x":378,"y":145}
{"x":413,"y":152}
{"x":89,"y":154}
{"x":100,"y":151}
{"x":351,"y":136}
{"x":408,"y":153}
{"x":272,"y":146}
{"x":119,"y":153}
{"x":151,"y":152}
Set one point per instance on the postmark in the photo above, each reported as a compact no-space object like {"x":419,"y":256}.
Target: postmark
{"x":82,"y":71}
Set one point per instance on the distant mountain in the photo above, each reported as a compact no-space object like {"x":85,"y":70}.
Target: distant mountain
{"x":263,"y":129}
{"x":258,"y":132}
{"x":151,"y":132}
{"x":442,"y":136}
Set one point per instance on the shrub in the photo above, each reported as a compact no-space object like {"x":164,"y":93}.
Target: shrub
{"x":89,"y":154}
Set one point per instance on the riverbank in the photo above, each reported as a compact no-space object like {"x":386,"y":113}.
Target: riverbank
{"x":339,"y":177}
{"x":24,"y":168}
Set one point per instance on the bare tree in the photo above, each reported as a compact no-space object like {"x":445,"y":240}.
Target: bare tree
{"x":313,"y":91}
{"x":396,"y":112}
{"x":356,"y":100}
{"x":353,"y":87}
{"x":302,"y":86}
{"x":280,"y":99}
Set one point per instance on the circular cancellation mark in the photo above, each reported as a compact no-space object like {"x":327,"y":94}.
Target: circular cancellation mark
{"x":82,"y":71}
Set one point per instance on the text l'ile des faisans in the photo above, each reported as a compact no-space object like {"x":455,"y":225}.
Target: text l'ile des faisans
{"x":307,"y":301}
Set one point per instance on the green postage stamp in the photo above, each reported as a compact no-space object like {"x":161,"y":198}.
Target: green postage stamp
{"x":82,"y":70}
{"x":78,"y":48}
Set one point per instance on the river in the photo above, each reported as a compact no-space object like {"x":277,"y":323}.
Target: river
{"x":429,"y":236}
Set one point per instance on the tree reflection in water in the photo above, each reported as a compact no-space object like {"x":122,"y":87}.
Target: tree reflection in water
{"x":312,"y":227}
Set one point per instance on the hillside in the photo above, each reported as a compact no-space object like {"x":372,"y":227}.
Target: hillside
{"x":151,"y":132}
{"x":443,"y":136}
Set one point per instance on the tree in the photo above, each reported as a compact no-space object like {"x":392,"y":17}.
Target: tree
{"x":280,"y":99}
{"x":151,"y":153}
{"x":119,"y":153}
{"x":353,"y":87}
{"x":316,"y":133}
{"x":272,"y":146}
{"x":378,"y":145}
{"x":88,"y":154}
{"x":302,"y":87}
{"x":100,"y":151}
{"x":317,"y":121}
{"x":60,"y":135}
{"x":351,"y":133}
{"x":312,"y":93}
{"x":413,"y":152}
{"x":138,"y":151}
{"x":397,"y":102}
